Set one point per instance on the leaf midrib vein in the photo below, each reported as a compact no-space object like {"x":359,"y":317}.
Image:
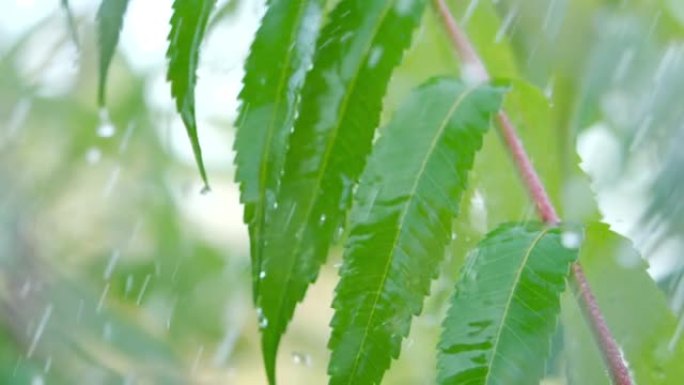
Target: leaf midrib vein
{"x":260,"y":208}
{"x":343,"y":107}
{"x":509,"y":301}
{"x":402,"y":218}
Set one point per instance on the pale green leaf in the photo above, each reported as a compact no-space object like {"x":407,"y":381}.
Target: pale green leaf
{"x":281,"y":54}
{"x":109,"y":21}
{"x":363,"y":41}
{"x":504,"y":312}
{"x":71,"y":22}
{"x":401,"y":223}
{"x":634,"y":308}
{"x":188,"y":23}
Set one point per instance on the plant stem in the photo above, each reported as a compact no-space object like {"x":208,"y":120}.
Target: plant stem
{"x":473,"y":64}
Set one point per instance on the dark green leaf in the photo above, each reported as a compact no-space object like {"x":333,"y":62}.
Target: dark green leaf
{"x":401,"y":223}
{"x":504,"y":312}
{"x":188,"y":24}
{"x":109,"y":21}
{"x":356,"y":53}
{"x":635,"y":310}
{"x":280,"y":56}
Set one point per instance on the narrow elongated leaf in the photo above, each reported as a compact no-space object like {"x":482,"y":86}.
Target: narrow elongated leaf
{"x":109,"y":21}
{"x":280,"y":56}
{"x":401,"y":223}
{"x":188,"y":23}
{"x":504,"y":312}
{"x":362,"y":43}
{"x":71,"y":22}
{"x":634,"y":308}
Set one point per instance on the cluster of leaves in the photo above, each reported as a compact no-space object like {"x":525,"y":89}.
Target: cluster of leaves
{"x":309,"y":168}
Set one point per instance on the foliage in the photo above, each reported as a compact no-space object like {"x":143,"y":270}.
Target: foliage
{"x":505,"y":308}
{"x":348,"y":132}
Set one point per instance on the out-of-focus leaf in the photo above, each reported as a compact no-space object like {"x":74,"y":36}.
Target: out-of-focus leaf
{"x":504,"y":312}
{"x":109,"y":21}
{"x":635,"y":310}
{"x":401,"y":223}
{"x":188,"y":23}
{"x":71,"y":21}
{"x":357,"y":51}
{"x":223,"y":12}
{"x":481,"y":22}
{"x":275,"y":70}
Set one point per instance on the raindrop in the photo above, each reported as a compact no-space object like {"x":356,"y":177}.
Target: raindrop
{"x":263,"y":321}
{"x":290,"y":214}
{"x":143,"y":289}
{"x":123,"y":146}
{"x":93,"y":155}
{"x":198,"y":357}
{"x":478,"y":212}
{"x":469,"y":12}
{"x":374,"y":57}
{"x":571,"y":240}
{"x":37,"y":380}
{"x":262,"y":274}
{"x":48,"y":365}
{"x":103,"y":296}
{"x":205,"y":189}
{"x":322,"y":220}
{"x":111,"y":182}
{"x":338,"y":233}
{"x":301,"y":358}
{"x":506,"y":25}
{"x":677,"y":335}
{"x":346,"y":36}
{"x":39,"y":330}
{"x":106,"y":129}
{"x":109,"y":269}
{"x":403,"y":7}
{"x":129,"y":285}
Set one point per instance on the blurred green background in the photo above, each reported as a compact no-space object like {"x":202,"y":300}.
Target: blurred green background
{"x":116,"y":269}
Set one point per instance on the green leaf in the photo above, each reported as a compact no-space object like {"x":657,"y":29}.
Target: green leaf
{"x":504,"y":312}
{"x":482,"y":25}
{"x":71,"y":22}
{"x":634,"y":308}
{"x":188,"y":23}
{"x":109,"y":21}
{"x":281,"y":54}
{"x":401,"y":223}
{"x":358,"y":49}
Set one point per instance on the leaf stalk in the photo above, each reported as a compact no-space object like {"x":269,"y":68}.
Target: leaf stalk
{"x":609,"y":348}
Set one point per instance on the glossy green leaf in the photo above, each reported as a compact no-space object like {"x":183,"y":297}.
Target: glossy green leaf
{"x":359,"y":47}
{"x":188,"y":23}
{"x":401,"y":223}
{"x":281,"y":54}
{"x":109,"y":21}
{"x":504,"y":312}
{"x":634,"y":308}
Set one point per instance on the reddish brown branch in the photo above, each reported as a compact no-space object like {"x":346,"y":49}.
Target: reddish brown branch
{"x":471,"y":61}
